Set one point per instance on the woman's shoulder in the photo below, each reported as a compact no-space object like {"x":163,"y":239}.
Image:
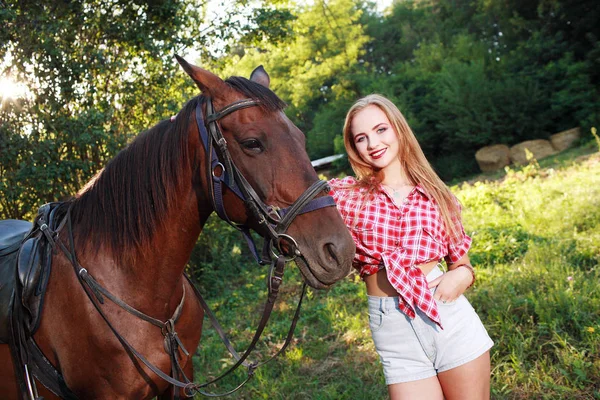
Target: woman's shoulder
{"x":348,"y":182}
{"x":347,"y":189}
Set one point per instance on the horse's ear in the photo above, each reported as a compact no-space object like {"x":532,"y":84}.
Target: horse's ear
{"x":208,"y":82}
{"x":260,"y":76}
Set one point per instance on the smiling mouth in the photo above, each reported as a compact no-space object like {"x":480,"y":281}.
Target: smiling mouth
{"x":378,"y":154}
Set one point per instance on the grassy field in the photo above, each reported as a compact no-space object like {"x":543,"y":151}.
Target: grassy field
{"x":536,"y":235}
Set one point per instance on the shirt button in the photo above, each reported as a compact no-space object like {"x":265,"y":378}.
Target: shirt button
{"x":397,"y":242}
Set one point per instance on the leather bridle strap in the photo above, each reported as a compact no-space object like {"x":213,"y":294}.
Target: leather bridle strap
{"x":231,"y":177}
{"x":236,"y":105}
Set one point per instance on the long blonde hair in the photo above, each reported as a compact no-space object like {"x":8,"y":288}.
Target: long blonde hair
{"x":413,"y":161}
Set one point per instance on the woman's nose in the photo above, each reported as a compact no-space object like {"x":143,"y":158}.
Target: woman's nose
{"x":372,"y":142}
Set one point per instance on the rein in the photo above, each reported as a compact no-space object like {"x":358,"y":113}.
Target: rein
{"x":275,"y":222}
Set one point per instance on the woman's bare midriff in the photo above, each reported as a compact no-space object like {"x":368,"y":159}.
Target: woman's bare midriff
{"x":379,"y":285}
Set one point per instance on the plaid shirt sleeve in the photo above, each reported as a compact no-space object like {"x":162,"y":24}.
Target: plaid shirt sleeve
{"x":460,"y":245}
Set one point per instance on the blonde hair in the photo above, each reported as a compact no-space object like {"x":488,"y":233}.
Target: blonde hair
{"x":413,"y":161}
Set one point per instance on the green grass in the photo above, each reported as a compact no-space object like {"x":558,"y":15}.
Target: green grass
{"x":536,"y":245}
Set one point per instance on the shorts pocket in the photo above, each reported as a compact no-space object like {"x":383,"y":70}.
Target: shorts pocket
{"x":446,"y":304}
{"x":375,"y":320}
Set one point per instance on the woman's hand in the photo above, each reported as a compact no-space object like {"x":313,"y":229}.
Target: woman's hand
{"x":452,"y":284}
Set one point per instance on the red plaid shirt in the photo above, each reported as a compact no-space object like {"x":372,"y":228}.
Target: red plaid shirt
{"x":398,"y":237}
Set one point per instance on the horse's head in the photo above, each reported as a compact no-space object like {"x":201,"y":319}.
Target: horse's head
{"x":269,"y":152}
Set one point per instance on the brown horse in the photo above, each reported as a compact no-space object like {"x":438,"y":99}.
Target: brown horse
{"x":135,"y":224}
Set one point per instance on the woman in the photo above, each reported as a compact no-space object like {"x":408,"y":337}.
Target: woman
{"x":404,"y":221}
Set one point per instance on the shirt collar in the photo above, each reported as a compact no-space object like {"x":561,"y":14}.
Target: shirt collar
{"x":418,"y":187}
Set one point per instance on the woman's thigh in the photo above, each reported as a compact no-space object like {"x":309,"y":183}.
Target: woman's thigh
{"x":428,"y":388}
{"x":470,"y":381}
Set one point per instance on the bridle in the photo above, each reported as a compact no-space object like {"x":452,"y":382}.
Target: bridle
{"x":275,"y":220}
{"x":221,"y":171}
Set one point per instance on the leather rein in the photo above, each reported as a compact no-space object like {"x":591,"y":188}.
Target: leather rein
{"x":221,"y":171}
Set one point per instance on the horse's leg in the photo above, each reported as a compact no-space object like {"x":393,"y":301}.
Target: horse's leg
{"x":8,"y":382}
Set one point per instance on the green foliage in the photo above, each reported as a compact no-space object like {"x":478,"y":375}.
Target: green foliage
{"x":470,"y":74}
{"x":97,"y":74}
{"x":596,"y":137}
{"x":305,"y":68}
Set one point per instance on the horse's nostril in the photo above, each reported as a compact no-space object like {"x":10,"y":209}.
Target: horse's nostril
{"x":331,"y":253}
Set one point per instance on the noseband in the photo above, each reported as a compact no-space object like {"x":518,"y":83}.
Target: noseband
{"x":223,"y":171}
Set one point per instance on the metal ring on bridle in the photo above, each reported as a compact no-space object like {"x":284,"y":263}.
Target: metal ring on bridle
{"x":222,"y":170}
{"x":190,"y":389}
{"x":277,"y":246}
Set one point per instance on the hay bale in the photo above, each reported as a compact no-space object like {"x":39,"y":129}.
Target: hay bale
{"x":565,"y":139}
{"x":493,"y":158}
{"x":540,"y":148}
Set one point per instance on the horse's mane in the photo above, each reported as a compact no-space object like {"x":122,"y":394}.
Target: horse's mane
{"x":119,"y":209}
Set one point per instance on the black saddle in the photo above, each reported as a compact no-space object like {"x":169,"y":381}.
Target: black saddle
{"x":12,"y":233}
{"x":25,"y":263}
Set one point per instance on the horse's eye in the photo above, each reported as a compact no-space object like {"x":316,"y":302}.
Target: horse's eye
{"x":253,"y":145}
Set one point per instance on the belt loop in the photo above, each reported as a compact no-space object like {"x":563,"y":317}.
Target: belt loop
{"x":396,"y":302}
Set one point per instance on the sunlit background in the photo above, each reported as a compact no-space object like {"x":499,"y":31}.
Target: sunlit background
{"x":11,"y":89}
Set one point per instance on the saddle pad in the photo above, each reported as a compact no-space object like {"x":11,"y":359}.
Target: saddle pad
{"x":12,"y":232}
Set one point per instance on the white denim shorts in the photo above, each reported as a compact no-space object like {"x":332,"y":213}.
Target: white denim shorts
{"x":413,"y":349}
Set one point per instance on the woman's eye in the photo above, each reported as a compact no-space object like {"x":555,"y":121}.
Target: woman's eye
{"x":359,"y":139}
{"x":253,"y":144}
{"x":381,"y":130}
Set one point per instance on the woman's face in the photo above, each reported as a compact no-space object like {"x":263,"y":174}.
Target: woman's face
{"x":375,"y":139}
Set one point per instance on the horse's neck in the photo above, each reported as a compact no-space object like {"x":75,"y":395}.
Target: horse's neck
{"x":172,"y":246}
{"x":152,"y":281}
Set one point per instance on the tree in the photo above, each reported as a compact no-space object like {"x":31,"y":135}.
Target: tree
{"x":98,"y":73}
{"x":325,"y":43}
